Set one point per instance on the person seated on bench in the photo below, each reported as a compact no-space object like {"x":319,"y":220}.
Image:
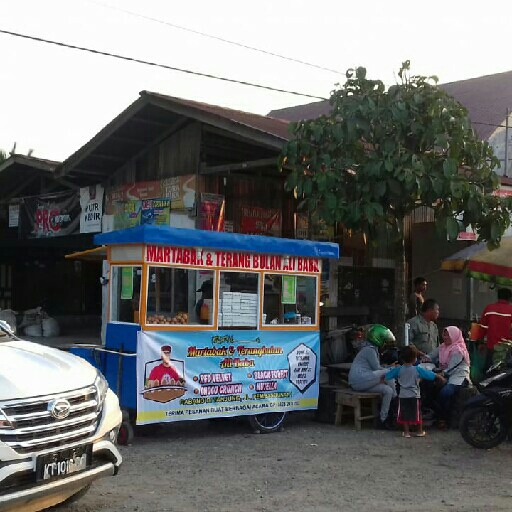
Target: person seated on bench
{"x":453,"y":358}
{"x":367,"y":374}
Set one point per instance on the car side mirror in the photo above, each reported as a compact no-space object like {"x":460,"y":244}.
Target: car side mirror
{"x":6,"y":328}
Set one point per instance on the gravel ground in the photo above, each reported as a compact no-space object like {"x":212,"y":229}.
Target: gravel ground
{"x":220,"y":465}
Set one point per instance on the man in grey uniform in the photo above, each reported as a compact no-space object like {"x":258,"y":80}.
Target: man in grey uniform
{"x":423,"y":332}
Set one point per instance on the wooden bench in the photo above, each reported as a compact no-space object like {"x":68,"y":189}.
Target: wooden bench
{"x":354,"y":399}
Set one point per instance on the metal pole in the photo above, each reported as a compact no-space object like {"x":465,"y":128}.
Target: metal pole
{"x":505,"y":173}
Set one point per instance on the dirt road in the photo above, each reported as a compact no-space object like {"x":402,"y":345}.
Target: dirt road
{"x":221,"y":466}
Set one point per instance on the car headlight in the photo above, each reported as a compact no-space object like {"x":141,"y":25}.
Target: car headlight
{"x":101,"y":386}
{"x":5,"y":424}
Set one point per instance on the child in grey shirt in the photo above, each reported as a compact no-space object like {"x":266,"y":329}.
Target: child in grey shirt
{"x":409,"y":398}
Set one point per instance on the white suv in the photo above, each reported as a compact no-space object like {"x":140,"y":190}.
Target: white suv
{"x":58,"y":425}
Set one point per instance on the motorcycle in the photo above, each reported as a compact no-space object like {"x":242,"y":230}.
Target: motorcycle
{"x":486,"y":418}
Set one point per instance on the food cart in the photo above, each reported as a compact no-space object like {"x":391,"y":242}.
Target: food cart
{"x":205,"y":324}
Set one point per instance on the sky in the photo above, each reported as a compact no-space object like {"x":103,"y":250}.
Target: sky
{"x":53,"y":99}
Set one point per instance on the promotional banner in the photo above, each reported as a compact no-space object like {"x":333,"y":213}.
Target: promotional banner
{"x":260,"y":221}
{"x":127,"y":214}
{"x":156,"y":212}
{"x":91,"y":203}
{"x":211,"y":212}
{"x":50,"y":216}
{"x":198,"y":375}
{"x":14,"y":215}
{"x":181,"y":190}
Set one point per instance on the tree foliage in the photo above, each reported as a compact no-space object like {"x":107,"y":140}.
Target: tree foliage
{"x":381,"y":153}
{"x":3,"y":156}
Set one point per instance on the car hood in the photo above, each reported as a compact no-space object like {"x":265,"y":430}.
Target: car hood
{"x":29,"y":369}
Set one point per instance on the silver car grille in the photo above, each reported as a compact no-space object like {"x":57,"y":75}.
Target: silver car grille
{"x":35,"y":428}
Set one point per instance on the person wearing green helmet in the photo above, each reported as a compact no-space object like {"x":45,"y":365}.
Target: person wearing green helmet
{"x":367,"y":374}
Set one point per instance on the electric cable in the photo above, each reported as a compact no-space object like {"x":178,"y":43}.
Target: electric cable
{"x":217,"y":38}
{"x":156,"y":64}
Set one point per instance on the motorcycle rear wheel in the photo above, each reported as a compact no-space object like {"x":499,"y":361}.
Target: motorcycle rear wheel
{"x":482,"y":427}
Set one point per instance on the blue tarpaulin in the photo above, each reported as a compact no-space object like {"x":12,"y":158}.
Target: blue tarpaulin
{"x":166,"y":235}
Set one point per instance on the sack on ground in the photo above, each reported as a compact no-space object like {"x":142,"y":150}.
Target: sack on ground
{"x":50,"y":327}
{"x":33,"y":330}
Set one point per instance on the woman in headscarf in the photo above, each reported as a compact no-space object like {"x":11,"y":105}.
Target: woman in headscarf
{"x":453,"y":358}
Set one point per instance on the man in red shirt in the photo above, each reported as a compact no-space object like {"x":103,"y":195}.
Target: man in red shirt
{"x":162,"y":374}
{"x":496,"y":321}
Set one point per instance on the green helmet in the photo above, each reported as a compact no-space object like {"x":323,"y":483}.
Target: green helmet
{"x":379,"y":335}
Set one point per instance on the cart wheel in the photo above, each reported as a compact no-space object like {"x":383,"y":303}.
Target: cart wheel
{"x":126,"y":433}
{"x":267,"y":422}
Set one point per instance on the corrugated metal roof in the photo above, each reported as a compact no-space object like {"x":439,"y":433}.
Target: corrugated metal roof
{"x":486,"y":98}
{"x":266,"y":124}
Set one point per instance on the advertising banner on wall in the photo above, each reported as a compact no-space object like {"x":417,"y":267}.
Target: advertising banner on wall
{"x":197,"y":375}
{"x":156,"y":211}
{"x":181,"y":190}
{"x":14,"y":215}
{"x":91,"y":203}
{"x":260,"y":221}
{"x":212,"y":212}
{"x":50,"y":216}
{"x":127,"y":214}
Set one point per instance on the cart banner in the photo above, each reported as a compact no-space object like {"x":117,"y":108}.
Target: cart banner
{"x":260,"y":221}
{"x":91,"y":203}
{"x":50,"y":216}
{"x":208,"y":374}
{"x":156,"y":212}
{"x":191,"y":256}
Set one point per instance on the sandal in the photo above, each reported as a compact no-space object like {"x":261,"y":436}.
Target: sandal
{"x":421,"y":434}
{"x":405,"y":435}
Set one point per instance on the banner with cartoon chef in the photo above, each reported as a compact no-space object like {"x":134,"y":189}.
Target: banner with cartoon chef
{"x":207,"y":374}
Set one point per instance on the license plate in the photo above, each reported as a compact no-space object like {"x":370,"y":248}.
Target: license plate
{"x":62,"y":463}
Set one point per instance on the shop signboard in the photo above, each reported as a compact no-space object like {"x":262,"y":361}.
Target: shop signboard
{"x":193,"y":257}
{"x":260,"y":221}
{"x":156,"y":211}
{"x":91,"y":204}
{"x":197,"y":375}
{"x":50,"y":215}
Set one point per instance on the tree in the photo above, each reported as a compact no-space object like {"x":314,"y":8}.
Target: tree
{"x":3,"y":156}
{"x":381,"y":153}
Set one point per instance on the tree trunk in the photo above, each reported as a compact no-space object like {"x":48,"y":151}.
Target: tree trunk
{"x":400,"y":285}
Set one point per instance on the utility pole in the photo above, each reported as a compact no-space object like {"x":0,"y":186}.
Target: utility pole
{"x":505,"y":173}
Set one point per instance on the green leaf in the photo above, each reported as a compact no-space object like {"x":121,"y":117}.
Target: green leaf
{"x":330,"y":201}
{"x":452,"y":228}
{"x":379,"y":188}
{"x":496,"y":231}
{"x":449,"y":167}
{"x":307,"y":188}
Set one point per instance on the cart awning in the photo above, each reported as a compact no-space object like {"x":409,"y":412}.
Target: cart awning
{"x":166,"y":235}
{"x":95,"y":254}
